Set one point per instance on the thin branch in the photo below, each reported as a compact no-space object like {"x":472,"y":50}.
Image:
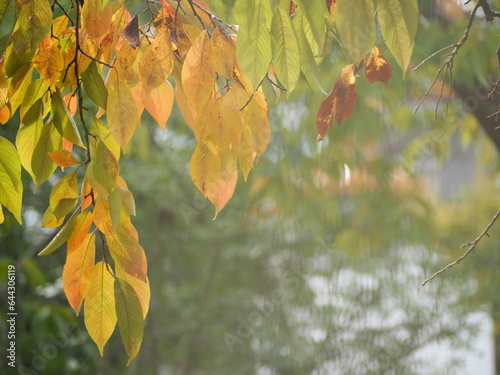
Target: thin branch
{"x":470,"y":245}
{"x":447,"y":66}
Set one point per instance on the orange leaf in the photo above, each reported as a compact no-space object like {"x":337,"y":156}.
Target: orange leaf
{"x":82,"y":226}
{"x":77,"y":271}
{"x":159,"y":102}
{"x":340,"y":104}
{"x":63,"y":158}
{"x":377,"y":67}
{"x":330,"y":4}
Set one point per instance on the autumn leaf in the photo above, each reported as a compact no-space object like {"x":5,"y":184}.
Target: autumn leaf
{"x":127,"y":253}
{"x":223,"y":53}
{"x":63,"y":158}
{"x":130,"y":318}
{"x":49,"y":61}
{"x":96,"y":16}
{"x":197,"y":72}
{"x":99,"y":308}
{"x":121,"y":112}
{"x":159,"y":102}
{"x":377,"y":67}
{"x":157,"y":62}
{"x":130,"y":33}
{"x":340,"y":104}
{"x":78,"y":270}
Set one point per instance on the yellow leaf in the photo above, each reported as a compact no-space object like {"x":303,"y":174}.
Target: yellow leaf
{"x":99,"y":308}
{"x":26,"y":141}
{"x":232,"y":103}
{"x":255,"y":116}
{"x":78,"y":270}
{"x":96,"y":16}
{"x":223,"y":53}
{"x":198,"y":73}
{"x":64,"y":195}
{"x":122,"y":112}
{"x":213,"y":173}
{"x":125,"y":62}
{"x":141,"y":287}
{"x":128,"y":253}
{"x":159,"y":102}
{"x":49,"y":61}
{"x":187,"y":110}
{"x":157,"y":62}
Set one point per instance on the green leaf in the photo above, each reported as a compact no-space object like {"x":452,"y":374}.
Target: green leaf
{"x":129,"y":314}
{"x":41,"y":164}
{"x":61,"y":237}
{"x":34,"y":19}
{"x":26,"y":141}
{"x":315,"y":12}
{"x":101,"y":131}
{"x":253,"y":45}
{"x":356,"y":27}
{"x":94,"y":85}
{"x":399,"y":22}
{"x":11,"y":188}
{"x":8,"y":20}
{"x":309,"y":66}
{"x":34,"y":92}
{"x":103,"y":170}
{"x":63,"y":121}
{"x":286,"y":55}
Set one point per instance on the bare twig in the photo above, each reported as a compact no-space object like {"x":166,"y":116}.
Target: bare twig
{"x":470,"y":245}
{"x":447,"y":66}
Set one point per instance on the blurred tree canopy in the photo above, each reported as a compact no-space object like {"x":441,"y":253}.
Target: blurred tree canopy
{"x":315,"y":264}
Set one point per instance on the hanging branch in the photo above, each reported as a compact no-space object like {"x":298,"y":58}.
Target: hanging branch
{"x":470,"y":245}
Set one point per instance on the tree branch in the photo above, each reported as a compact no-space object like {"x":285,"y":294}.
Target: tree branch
{"x":470,"y":245}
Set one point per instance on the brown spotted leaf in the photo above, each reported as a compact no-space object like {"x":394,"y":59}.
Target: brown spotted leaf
{"x":377,"y":67}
